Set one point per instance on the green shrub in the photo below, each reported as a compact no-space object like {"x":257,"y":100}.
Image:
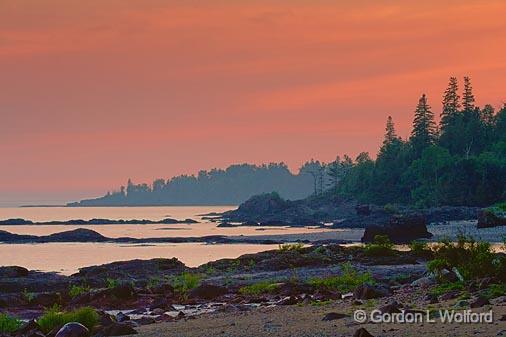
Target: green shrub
{"x":381,"y":246}
{"x":259,"y":288}
{"x":287,"y":247}
{"x":54,"y":317}
{"x":473,"y":259}
{"x":185,"y":282}
{"x":420,"y":248}
{"x":444,"y":288}
{"x":8,"y":324}
{"x":76,"y":290}
{"x":349,"y":279}
{"x":28,"y":296}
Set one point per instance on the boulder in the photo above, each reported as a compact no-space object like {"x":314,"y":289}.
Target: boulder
{"x":400,"y":229}
{"x":73,"y":329}
{"x":478,"y":302}
{"x":390,"y":308}
{"x":491,"y":218}
{"x":367,"y":292}
{"x":207,"y":292}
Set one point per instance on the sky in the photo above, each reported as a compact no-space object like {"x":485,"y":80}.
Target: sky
{"x":95,"y":92}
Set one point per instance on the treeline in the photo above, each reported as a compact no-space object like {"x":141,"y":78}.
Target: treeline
{"x":214,"y":187}
{"x":459,"y":161}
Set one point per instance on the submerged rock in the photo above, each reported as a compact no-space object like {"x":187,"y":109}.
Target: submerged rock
{"x":490,"y":218}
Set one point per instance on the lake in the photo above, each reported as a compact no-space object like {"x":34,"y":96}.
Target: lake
{"x":67,"y":258}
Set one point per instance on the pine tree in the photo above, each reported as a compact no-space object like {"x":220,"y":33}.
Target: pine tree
{"x":390,"y":134}
{"x":468,"y":97}
{"x":451,"y":104}
{"x":424,"y":127}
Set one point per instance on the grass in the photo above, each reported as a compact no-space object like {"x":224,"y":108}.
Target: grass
{"x":381,"y":246}
{"x":76,"y":290}
{"x":28,"y":296}
{"x":288,"y":247}
{"x":259,"y":288}
{"x":111,"y":283}
{"x":346,"y":282}
{"x":185,"y":282}
{"x":495,"y":290}
{"x":55,"y":317}
{"x":8,"y":324}
{"x":445,"y":288}
{"x":420,"y":248}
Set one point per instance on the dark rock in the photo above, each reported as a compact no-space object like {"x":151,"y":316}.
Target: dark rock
{"x":73,"y":329}
{"x":503,"y":318}
{"x":105,"y":319}
{"x":363,"y":210}
{"x":362,"y":333}
{"x":27,"y":327}
{"x":46,"y":299}
{"x":160,"y":303}
{"x":117,"y":329}
{"x":121,"y":317}
{"x":145,"y":321}
{"x":123,"y":291}
{"x":291,"y":300}
{"x":207,"y":292}
{"x":294,"y":289}
{"x":390,"y":308}
{"x":400,"y":229}
{"x":13,"y":272}
{"x":449,"y":295}
{"x":479,"y":302}
{"x":367,"y":292}
{"x":490,"y":218}
{"x":333,"y":316}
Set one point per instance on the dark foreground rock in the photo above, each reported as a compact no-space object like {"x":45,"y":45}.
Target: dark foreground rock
{"x":400,"y":229}
{"x":489,"y":218}
{"x":73,"y":329}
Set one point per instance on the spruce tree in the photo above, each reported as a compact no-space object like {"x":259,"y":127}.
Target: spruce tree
{"x":424,"y":127}
{"x":451,"y":104}
{"x":468,"y":97}
{"x":390,"y":134}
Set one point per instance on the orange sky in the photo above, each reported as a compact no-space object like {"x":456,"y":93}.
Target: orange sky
{"x":94,"y":92}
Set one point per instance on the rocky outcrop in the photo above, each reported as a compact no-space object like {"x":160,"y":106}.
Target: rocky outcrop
{"x":491,"y":218}
{"x":400,"y":229}
{"x":95,"y":221}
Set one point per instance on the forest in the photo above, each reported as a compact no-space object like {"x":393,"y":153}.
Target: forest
{"x":458,"y":161}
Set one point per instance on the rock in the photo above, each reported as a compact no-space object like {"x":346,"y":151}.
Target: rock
{"x":73,"y":329}
{"x":390,"y":308}
{"x":291,"y":300}
{"x":461,"y":304}
{"x":163,"y":289}
{"x":27,"y":327}
{"x":501,"y":300}
{"x":400,"y":229}
{"x":491,"y":218}
{"x":363,"y":210}
{"x":117,"y":329}
{"x":431,"y":298}
{"x":207,"y":292}
{"x":503,"y":318}
{"x":478,"y":302}
{"x":45,"y":299}
{"x":123,"y":291}
{"x":13,"y":272}
{"x":367,"y":292}
{"x":362,"y":333}
{"x":145,"y":321}
{"x":121,"y":317}
{"x":158,"y":311}
{"x":293,"y":289}
{"x":160,"y":303}
{"x":423,"y":282}
{"x":104,"y":318}
{"x":331,"y":316}
{"x":449,"y":295}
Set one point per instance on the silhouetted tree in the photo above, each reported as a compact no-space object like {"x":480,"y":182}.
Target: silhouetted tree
{"x":424,"y":127}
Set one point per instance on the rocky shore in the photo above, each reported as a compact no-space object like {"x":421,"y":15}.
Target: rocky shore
{"x":163,"y":297}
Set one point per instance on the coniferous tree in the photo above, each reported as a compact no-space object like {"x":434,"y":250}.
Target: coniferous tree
{"x":424,"y":127}
{"x":451,"y":104}
{"x":390,"y":134}
{"x":468,"y":96}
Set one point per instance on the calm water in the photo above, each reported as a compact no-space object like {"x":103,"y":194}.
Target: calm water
{"x":68,"y":257}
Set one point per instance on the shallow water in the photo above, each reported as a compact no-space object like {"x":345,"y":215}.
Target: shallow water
{"x":66,"y":258}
